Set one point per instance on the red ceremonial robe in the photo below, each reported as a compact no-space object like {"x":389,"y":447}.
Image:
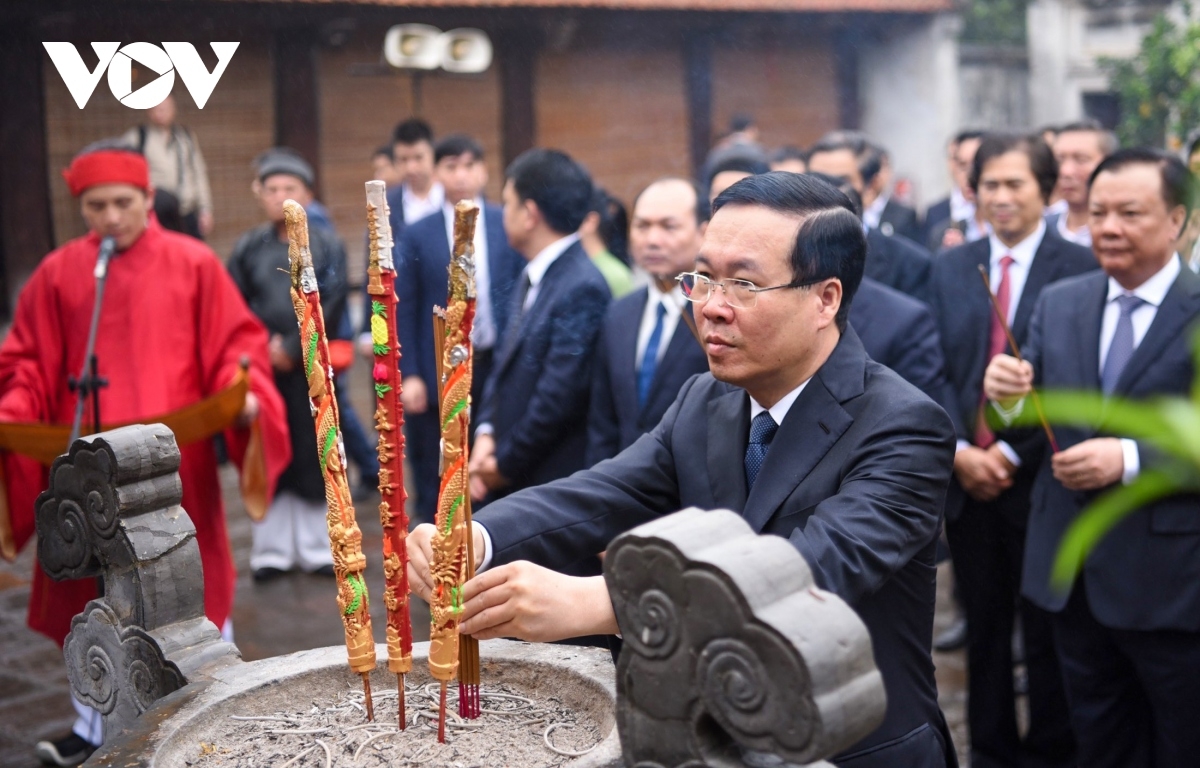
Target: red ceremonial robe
{"x":173,"y":329}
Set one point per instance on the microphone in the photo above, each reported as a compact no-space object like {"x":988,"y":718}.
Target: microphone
{"x":107,"y":246}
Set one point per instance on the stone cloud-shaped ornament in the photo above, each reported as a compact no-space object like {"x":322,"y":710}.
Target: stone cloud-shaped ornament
{"x":732,"y":655}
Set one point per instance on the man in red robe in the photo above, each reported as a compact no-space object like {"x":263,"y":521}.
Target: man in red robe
{"x":173,"y":330}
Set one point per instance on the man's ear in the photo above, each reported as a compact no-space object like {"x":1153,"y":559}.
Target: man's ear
{"x":256,"y":188}
{"x":831,"y":301}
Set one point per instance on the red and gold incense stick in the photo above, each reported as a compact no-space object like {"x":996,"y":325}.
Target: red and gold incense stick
{"x":345,"y":539}
{"x":453,"y":562}
{"x":389,"y":419}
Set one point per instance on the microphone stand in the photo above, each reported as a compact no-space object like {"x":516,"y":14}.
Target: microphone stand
{"x":89,"y":382}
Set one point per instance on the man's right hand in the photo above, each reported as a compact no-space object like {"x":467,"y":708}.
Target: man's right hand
{"x":413,"y":395}
{"x":1007,"y":380}
{"x":983,"y":474}
{"x":420,"y":554}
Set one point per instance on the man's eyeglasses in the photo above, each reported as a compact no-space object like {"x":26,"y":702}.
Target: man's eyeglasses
{"x":742,"y":294}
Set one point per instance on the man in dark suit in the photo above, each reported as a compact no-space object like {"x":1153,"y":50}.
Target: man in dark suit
{"x":533,"y":413}
{"x":988,"y":504}
{"x":647,"y":349}
{"x":886,"y":212}
{"x":891,"y":259}
{"x":1129,"y":630}
{"x":423,"y":261}
{"x":952,"y":221}
{"x":795,"y":427}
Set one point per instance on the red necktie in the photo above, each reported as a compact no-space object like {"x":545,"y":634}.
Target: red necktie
{"x":997,"y":343}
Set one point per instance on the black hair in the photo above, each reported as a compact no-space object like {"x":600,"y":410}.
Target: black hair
{"x":740,"y":122}
{"x":966,"y":135}
{"x":1175,"y":177}
{"x":1041,"y":159}
{"x":1106,"y":138}
{"x":702,"y":210}
{"x":560,"y":187}
{"x":457,"y":144}
{"x":384,"y":150}
{"x":789,"y":152}
{"x":1191,"y":145}
{"x":868,"y":156}
{"x":412,"y":131}
{"x":739,"y":159}
{"x":613,"y":228}
{"x":843,"y":184}
{"x":111,"y":144}
{"x":829,"y":243}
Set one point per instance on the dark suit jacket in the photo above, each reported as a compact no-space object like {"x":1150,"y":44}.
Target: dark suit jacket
{"x":900,"y":332}
{"x":855,"y":479}
{"x":423,"y":258}
{"x":964,"y":314}
{"x":537,"y":397}
{"x":1145,"y":574}
{"x":935,"y":216}
{"x":614,"y":419}
{"x":898,"y":262}
{"x":903,"y":220}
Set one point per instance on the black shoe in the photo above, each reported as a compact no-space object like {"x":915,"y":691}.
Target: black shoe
{"x":953,"y":638}
{"x":69,"y":750}
{"x":267,"y":574}
{"x":324,"y":570}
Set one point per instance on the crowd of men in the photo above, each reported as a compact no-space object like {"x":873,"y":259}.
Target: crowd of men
{"x":781,"y":337}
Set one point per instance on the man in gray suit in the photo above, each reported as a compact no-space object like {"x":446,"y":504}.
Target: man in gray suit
{"x":795,"y":428}
{"x":1128,"y":633}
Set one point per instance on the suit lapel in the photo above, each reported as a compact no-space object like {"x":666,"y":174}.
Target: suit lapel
{"x":1177,"y":309}
{"x":1087,"y":331}
{"x":1042,"y":272}
{"x":978,"y":321}
{"x":627,"y":361}
{"x":519,"y":323}
{"x":672,"y":356}
{"x":496,"y":242}
{"x":728,"y":434}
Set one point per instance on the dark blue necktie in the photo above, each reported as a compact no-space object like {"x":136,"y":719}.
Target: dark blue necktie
{"x":650,"y":358}
{"x":1120,"y":349}
{"x":762,"y":431}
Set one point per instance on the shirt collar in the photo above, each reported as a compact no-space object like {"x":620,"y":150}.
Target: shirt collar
{"x":1154,"y":290}
{"x":874,"y":212}
{"x":1023,"y":252}
{"x":434,"y":199}
{"x":536,"y":269}
{"x":673,"y":299}
{"x":780,"y":409}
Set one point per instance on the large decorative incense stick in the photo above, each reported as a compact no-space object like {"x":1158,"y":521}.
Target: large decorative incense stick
{"x":453,"y":562}
{"x":345,"y":539}
{"x":389,"y":419}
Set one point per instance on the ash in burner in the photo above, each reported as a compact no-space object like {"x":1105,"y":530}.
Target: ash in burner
{"x":513,"y":730}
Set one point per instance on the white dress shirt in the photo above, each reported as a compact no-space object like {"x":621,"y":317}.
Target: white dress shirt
{"x":484,"y":331}
{"x":778,"y":412}
{"x":673,"y":301}
{"x":417,"y":208}
{"x":1018,"y":272}
{"x":874,"y":212}
{"x":1081,"y":236}
{"x":1152,"y":293}
{"x":537,"y":267}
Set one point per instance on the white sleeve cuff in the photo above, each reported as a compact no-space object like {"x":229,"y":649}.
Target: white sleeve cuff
{"x":487,"y":547}
{"x":960,"y":444}
{"x":1009,"y":453}
{"x":485,"y":429}
{"x":1008,"y":415}
{"x":1133,"y":463}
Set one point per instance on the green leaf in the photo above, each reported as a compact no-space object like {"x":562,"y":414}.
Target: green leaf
{"x":377,"y":308}
{"x":380,"y":349}
{"x":1140,"y":420}
{"x":1100,"y":517}
{"x":382,"y":389}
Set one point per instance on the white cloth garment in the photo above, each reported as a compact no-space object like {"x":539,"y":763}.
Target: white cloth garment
{"x":292,"y":535}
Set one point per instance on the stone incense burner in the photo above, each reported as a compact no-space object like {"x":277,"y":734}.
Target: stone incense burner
{"x":732,"y":657}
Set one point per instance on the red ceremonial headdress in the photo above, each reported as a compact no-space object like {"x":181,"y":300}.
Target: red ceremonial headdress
{"x":107,"y":166}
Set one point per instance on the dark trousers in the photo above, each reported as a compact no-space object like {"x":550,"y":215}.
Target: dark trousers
{"x":359,"y":448}
{"x":988,"y":549}
{"x":1135,"y":695}
{"x":422,"y":446}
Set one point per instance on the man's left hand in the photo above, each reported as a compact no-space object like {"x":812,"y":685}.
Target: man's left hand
{"x":1095,"y":463}
{"x":249,"y":411}
{"x":536,"y":604}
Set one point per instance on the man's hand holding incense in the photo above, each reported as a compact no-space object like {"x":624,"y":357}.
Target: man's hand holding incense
{"x":533,"y":603}
{"x":420,"y":554}
{"x":1007,"y":380}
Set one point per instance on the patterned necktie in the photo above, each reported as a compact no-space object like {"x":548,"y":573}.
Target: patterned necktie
{"x":762,"y":431}
{"x":650,"y":358}
{"x":1120,"y":349}
{"x":997,"y":343}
